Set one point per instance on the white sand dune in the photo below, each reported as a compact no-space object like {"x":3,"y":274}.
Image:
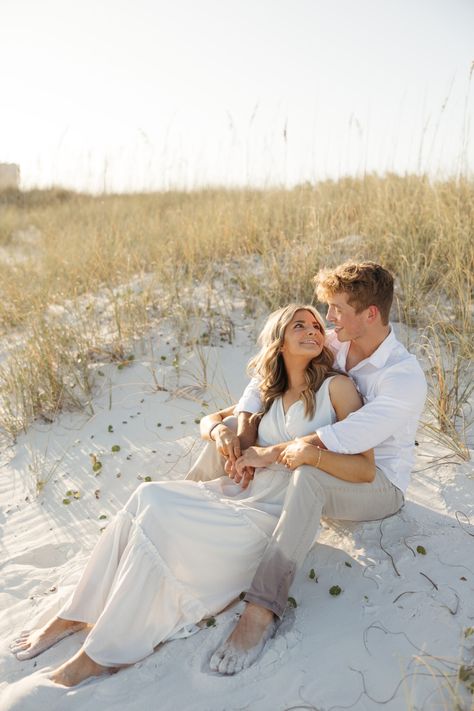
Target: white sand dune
{"x":393,"y":639}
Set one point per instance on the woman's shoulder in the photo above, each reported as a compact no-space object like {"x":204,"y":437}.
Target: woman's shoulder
{"x":341,"y":385}
{"x":344,"y":395}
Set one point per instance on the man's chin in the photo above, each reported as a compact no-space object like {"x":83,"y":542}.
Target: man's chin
{"x":341,"y":336}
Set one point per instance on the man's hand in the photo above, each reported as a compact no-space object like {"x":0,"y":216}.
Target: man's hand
{"x":227,"y":444}
{"x":296,"y":454}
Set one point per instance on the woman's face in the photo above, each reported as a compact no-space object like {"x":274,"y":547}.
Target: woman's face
{"x":303,"y":336}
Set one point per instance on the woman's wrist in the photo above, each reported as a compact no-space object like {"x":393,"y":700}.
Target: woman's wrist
{"x":316,"y":455}
{"x":273,"y":452}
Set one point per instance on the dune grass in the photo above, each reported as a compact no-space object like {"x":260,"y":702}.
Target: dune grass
{"x":84,"y":274}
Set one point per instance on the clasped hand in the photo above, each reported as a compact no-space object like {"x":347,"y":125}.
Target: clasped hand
{"x":294,"y":454}
{"x":251,"y":458}
{"x":228,"y":444}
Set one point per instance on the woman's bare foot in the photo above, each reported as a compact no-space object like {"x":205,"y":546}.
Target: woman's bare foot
{"x":32,"y":642}
{"x":79,"y":668}
{"x":246,"y":642}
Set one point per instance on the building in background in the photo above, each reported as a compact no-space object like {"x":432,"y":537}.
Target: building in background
{"x":9,"y":176}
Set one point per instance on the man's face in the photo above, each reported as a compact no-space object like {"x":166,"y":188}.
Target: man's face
{"x":348,"y":325}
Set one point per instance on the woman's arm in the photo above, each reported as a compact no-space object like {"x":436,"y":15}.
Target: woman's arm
{"x":356,"y":468}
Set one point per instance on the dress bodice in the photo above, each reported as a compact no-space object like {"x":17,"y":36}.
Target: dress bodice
{"x":277,"y":426}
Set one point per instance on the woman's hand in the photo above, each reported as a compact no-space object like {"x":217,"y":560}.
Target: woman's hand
{"x":256,"y":457}
{"x":252,"y":458}
{"x":298,"y":453}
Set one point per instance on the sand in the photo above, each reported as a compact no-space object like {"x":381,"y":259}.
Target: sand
{"x":394,"y":638}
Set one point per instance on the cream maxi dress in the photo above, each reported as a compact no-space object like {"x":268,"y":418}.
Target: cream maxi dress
{"x":180,"y":551}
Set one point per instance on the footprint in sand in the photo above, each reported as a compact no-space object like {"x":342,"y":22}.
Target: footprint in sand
{"x":47,"y":556}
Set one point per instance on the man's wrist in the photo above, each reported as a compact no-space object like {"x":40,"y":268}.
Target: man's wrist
{"x":212,"y":428}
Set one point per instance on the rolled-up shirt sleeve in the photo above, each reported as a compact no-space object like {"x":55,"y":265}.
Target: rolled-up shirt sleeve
{"x":250,"y":400}
{"x":396,"y":405}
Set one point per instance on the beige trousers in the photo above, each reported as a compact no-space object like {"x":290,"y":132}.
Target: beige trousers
{"x":311,"y":494}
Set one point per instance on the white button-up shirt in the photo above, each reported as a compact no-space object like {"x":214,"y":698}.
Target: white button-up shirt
{"x":393,"y":388}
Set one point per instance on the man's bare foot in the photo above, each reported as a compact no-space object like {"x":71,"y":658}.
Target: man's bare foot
{"x":246,"y":642}
{"x":79,"y":668}
{"x":32,"y":642}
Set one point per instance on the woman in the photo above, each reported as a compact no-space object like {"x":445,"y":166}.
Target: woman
{"x":181,"y":551}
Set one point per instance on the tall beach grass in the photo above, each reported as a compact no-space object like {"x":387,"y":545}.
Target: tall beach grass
{"x":83,"y":274}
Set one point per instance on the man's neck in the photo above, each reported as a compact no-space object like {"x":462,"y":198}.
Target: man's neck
{"x":364,"y":347}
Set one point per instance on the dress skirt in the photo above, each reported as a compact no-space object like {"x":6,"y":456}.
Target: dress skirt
{"x":177,"y":553}
{"x":182,"y":551}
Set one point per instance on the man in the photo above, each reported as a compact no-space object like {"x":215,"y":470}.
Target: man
{"x":393,"y":387}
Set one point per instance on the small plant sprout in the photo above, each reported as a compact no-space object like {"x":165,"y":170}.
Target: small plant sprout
{"x":312,"y":575}
{"x":347,"y":564}
{"x":292,"y":602}
{"x":96,"y":464}
{"x":115,"y":448}
{"x":421,"y":550}
{"x":110,"y":428}
{"x":71,"y":494}
{"x":335,"y":590}
{"x":211,"y":622}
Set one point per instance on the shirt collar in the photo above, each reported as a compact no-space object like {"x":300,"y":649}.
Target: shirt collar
{"x":378,"y":358}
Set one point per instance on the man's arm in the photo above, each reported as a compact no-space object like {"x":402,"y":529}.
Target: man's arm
{"x":399,"y":400}
{"x":247,"y":429}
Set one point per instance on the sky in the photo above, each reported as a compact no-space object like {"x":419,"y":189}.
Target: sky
{"x":122,"y":95}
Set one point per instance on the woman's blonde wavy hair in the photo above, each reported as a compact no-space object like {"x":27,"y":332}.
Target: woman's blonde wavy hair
{"x":269,"y":367}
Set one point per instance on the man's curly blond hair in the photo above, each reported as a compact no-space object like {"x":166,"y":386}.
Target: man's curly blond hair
{"x":365,"y":283}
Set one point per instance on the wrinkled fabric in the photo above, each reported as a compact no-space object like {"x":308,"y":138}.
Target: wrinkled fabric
{"x":182,"y":551}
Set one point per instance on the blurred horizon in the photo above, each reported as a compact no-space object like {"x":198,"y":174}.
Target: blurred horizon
{"x":114,"y":97}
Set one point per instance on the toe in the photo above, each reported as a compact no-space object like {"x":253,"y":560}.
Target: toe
{"x":216,"y":659}
{"x":19,"y":640}
{"x":26,"y":654}
{"x":228,"y":663}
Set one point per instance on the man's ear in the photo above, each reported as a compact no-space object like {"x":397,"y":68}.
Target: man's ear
{"x":372,"y":314}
